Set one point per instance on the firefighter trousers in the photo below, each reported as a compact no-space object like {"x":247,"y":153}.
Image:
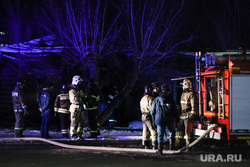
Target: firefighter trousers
{"x":45,"y":123}
{"x":19,"y":123}
{"x":92,"y":116}
{"x":148,"y":130}
{"x":77,"y":122}
{"x":184,"y":128}
{"x":64,"y":122}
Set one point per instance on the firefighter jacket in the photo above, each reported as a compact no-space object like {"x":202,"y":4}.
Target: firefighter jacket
{"x":163,"y":109}
{"x":62,"y":103}
{"x":145,"y":105}
{"x":46,"y":101}
{"x":92,"y":100}
{"x":18,"y":99}
{"x":76,"y":97}
{"x":188,"y":104}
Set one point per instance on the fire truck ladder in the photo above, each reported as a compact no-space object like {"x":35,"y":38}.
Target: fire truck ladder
{"x":198,"y":77}
{"x":221,"y":99}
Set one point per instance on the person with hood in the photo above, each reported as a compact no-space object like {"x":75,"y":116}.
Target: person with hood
{"x":164,"y":113}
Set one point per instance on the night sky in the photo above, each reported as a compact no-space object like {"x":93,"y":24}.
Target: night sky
{"x":215,"y":25}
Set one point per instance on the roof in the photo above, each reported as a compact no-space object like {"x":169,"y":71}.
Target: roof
{"x":36,"y":47}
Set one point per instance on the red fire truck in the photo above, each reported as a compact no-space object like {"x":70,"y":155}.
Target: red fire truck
{"x":223,"y":90}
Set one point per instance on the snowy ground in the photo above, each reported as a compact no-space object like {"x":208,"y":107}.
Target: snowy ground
{"x":32,"y":153}
{"x":133,"y":131}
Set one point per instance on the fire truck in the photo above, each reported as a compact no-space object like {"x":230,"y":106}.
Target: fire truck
{"x":223,"y":91}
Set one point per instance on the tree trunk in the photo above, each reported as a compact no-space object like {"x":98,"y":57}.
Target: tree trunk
{"x":92,"y":68}
{"x":119,"y":98}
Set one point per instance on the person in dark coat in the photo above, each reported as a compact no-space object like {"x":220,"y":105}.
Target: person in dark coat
{"x":164,"y":114}
{"x":46,"y":107}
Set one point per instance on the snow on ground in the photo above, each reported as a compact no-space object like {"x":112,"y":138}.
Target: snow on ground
{"x":133,"y":131}
{"x":135,"y":125}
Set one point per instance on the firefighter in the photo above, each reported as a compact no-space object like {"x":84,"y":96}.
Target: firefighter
{"x":46,"y":107}
{"x":149,"y":128}
{"x":92,"y":105}
{"x":20,"y":107}
{"x":188,"y":112}
{"x":164,"y":112}
{"x":61,"y":106}
{"x":76,"y":97}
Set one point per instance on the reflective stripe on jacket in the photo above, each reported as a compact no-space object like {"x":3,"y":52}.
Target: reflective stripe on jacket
{"x":188,"y":101}
{"x":62,"y":103}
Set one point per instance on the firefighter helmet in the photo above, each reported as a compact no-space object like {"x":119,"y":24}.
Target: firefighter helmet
{"x":148,"y":89}
{"x":21,"y":81}
{"x":76,"y":79}
{"x":155,"y":85}
{"x":186,"y":84}
{"x":64,"y":88}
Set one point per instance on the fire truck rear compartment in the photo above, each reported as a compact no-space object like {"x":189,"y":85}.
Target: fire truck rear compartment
{"x":240,"y":104}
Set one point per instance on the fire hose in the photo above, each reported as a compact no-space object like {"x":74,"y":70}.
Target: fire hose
{"x":198,"y":139}
{"x":108,"y":149}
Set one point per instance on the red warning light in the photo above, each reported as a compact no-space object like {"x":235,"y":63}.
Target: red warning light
{"x":219,"y":130}
{"x":199,"y":126}
{"x":231,"y":64}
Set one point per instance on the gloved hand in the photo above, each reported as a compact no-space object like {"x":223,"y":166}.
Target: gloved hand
{"x":191,"y":115}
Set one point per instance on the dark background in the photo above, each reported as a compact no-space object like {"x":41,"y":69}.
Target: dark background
{"x":207,"y":25}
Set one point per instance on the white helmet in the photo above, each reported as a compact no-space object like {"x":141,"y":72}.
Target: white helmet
{"x":76,"y":79}
{"x":186,"y":84}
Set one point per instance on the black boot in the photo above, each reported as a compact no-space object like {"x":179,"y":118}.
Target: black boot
{"x":160,"y":148}
{"x":80,"y":136}
{"x":146,"y":143}
{"x":65,"y":135}
{"x":172,"y":144}
{"x":154,"y":144}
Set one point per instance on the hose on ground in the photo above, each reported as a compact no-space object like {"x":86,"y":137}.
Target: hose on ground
{"x":198,"y":139}
{"x":108,"y":149}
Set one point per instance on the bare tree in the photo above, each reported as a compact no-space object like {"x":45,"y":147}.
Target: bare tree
{"x":15,"y":17}
{"x":150,"y":26}
{"x":83,"y":30}
{"x":19,"y":21}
